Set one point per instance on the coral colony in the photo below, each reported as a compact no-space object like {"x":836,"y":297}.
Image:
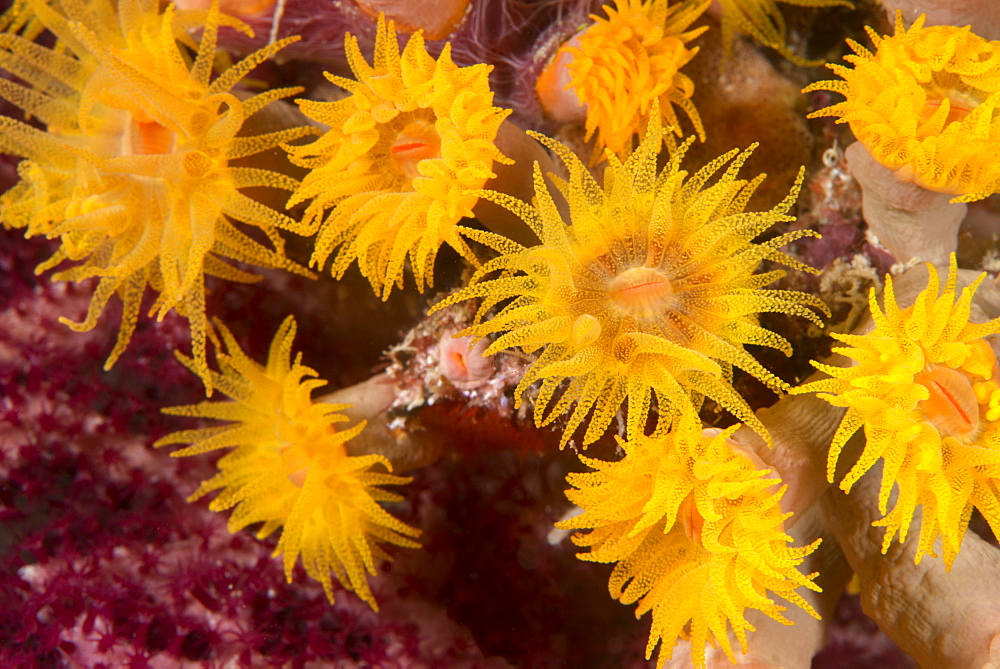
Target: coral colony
{"x":447,"y":301}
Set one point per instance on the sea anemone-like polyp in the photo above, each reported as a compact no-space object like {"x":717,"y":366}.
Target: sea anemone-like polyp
{"x":648,"y":292}
{"x":610,"y":73}
{"x":924,"y":386}
{"x":391,"y":179}
{"x":925,"y":105}
{"x":133,"y":174}
{"x":697,"y":535}
{"x":288,"y":466}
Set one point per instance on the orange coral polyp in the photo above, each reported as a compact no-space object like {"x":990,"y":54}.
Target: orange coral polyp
{"x":697,"y":536}
{"x":436,"y":18}
{"x":390,"y":181}
{"x":622,"y":63}
{"x":926,"y":104}
{"x":646,"y":295}
{"x":923,"y":388}
{"x":288,"y":467}
{"x":133,"y":174}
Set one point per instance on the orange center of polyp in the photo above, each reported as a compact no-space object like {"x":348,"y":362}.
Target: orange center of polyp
{"x":952,"y":406}
{"x":415,"y":142}
{"x":641,"y":291}
{"x":691,"y":520}
{"x":297,"y":460}
{"x":146,"y":137}
{"x":960,"y":105}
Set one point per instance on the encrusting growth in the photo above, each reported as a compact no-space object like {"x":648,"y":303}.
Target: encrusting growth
{"x":696,"y":532}
{"x":925,"y":105}
{"x":288,"y":467}
{"x":619,"y":65}
{"x":648,"y":293}
{"x":133,"y":174}
{"x":404,"y":148}
{"x":924,"y":385}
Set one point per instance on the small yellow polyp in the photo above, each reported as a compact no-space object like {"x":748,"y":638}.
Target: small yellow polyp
{"x":646,"y":295}
{"x":134,"y":176}
{"x":288,"y":468}
{"x":693,"y":528}
{"x":390,"y":181}
{"x":925,"y":105}
{"x":921,"y":386}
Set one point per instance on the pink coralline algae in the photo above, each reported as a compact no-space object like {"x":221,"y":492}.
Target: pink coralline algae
{"x":104,"y":563}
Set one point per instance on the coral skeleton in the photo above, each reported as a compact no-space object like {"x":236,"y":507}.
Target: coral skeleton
{"x":390,"y":181}
{"x":647,"y":293}
{"x":288,"y":469}
{"x":696,"y":532}
{"x":924,"y":104}
{"x":133,"y":175}
{"x":924,"y":388}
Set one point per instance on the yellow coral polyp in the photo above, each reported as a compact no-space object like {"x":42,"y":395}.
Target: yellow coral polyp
{"x":624,"y":62}
{"x":924,"y":387}
{"x":134,"y":175}
{"x":763,"y":21}
{"x":404,"y":148}
{"x":289,"y":469}
{"x":696,"y":532}
{"x":649,"y":294}
{"x":925,"y":104}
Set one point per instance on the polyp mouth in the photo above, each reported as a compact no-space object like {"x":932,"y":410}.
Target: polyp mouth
{"x":642,"y":291}
{"x":952,"y":406}
{"x":417,"y":141}
{"x":147,"y":137}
